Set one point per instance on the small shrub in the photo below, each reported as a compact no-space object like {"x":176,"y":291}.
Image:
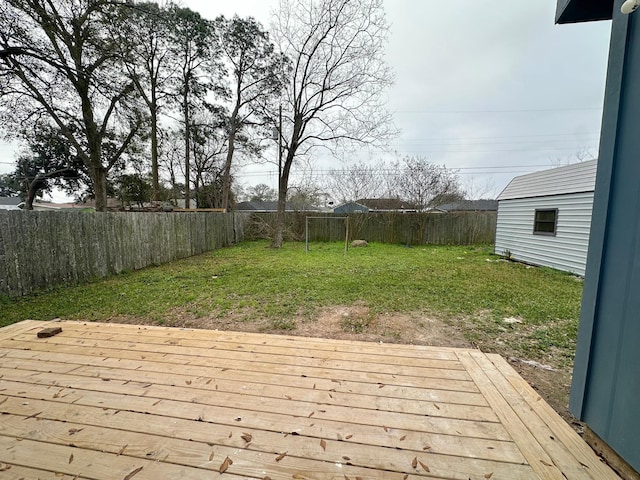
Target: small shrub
{"x":283,"y":324}
{"x":354,"y":325}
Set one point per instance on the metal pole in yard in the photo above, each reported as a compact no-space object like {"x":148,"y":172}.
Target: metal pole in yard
{"x":346,"y":236}
{"x":306,"y":233}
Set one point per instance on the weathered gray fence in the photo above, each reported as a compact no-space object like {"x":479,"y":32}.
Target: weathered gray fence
{"x":44,"y":249}
{"x":464,"y":228}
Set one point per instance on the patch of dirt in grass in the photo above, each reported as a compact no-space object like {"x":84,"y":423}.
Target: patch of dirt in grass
{"x":357,"y":322}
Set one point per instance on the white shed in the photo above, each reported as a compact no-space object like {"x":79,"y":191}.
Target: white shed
{"x":544,"y":218}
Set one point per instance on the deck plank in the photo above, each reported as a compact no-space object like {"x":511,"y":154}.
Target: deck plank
{"x":426,"y":393}
{"x":103,"y":401}
{"x":134,"y":352}
{"x":352,"y":367}
{"x":563,"y":442}
{"x":537,"y":457}
{"x":233,"y":349}
{"x":17,"y":472}
{"x":26,"y":325}
{"x":217,"y":386}
{"x":183,"y":397}
{"x":247,"y":338}
{"x":353,"y":460}
{"x":231,"y":435}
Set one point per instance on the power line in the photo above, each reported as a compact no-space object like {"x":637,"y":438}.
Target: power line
{"x":573,"y":134}
{"x":426,"y":151}
{"x":526,"y":110}
{"x":532,"y":142}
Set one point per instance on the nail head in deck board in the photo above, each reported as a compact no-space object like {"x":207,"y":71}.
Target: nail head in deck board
{"x":49,"y":332}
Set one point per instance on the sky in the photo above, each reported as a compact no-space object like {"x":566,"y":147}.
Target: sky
{"x":489,"y":88}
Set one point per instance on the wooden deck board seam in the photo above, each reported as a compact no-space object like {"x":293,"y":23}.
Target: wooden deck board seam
{"x":407,"y":422}
{"x":537,"y":457}
{"x":194,"y":431}
{"x":211,"y":355}
{"x":368,"y":402}
{"x":106,"y":388}
{"x":361,"y":455}
{"x":259,"y":338}
{"x":319,"y":373}
{"x":287,"y":351}
{"x":570,"y":441}
{"x":14,"y":329}
{"x":344,"y":387}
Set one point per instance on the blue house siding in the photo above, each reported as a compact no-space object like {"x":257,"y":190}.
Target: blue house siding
{"x":605,"y":391}
{"x":351,"y":207}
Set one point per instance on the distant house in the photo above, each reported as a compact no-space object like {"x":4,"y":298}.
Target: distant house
{"x":376,"y":205}
{"x":469,"y":206}
{"x":351,"y":207}
{"x":10,"y":203}
{"x":272,"y":207}
{"x":544,"y":218}
{"x":257,"y":207}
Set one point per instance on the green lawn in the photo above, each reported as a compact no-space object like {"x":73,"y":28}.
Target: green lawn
{"x":468,"y":287}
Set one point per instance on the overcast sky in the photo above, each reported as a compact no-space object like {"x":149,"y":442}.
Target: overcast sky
{"x":489,"y":87}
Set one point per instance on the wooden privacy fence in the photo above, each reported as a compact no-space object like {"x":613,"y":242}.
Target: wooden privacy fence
{"x":465,"y":228}
{"x":45,"y":249}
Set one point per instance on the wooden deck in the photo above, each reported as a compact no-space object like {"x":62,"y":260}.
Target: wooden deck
{"x":122,"y":402}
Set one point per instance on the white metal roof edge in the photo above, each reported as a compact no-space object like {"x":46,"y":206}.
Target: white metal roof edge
{"x":514,"y":188}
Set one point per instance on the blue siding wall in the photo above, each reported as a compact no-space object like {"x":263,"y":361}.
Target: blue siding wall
{"x":606,"y":381}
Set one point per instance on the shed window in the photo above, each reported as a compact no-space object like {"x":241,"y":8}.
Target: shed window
{"x":545,"y":222}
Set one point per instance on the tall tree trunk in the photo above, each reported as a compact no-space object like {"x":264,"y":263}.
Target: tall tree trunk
{"x":283,"y":188}
{"x":187,"y":149}
{"x":155,"y":182}
{"x":278,"y":234}
{"x":31,"y":193}
{"x":99,"y":176}
{"x":226,"y":173}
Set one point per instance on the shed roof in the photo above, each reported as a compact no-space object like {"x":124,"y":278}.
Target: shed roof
{"x":575,"y":178}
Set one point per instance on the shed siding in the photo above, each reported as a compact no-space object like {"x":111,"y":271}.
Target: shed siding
{"x":575,"y":178}
{"x":567,"y":250}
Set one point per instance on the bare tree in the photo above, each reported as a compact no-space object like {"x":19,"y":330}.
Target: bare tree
{"x":207,"y":152}
{"x":424,"y":184}
{"x":582,"y":154}
{"x":170,"y":160}
{"x":358,"y":180}
{"x":477,"y":189}
{"x":333,"y":93}
{"x":58,"y":61}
